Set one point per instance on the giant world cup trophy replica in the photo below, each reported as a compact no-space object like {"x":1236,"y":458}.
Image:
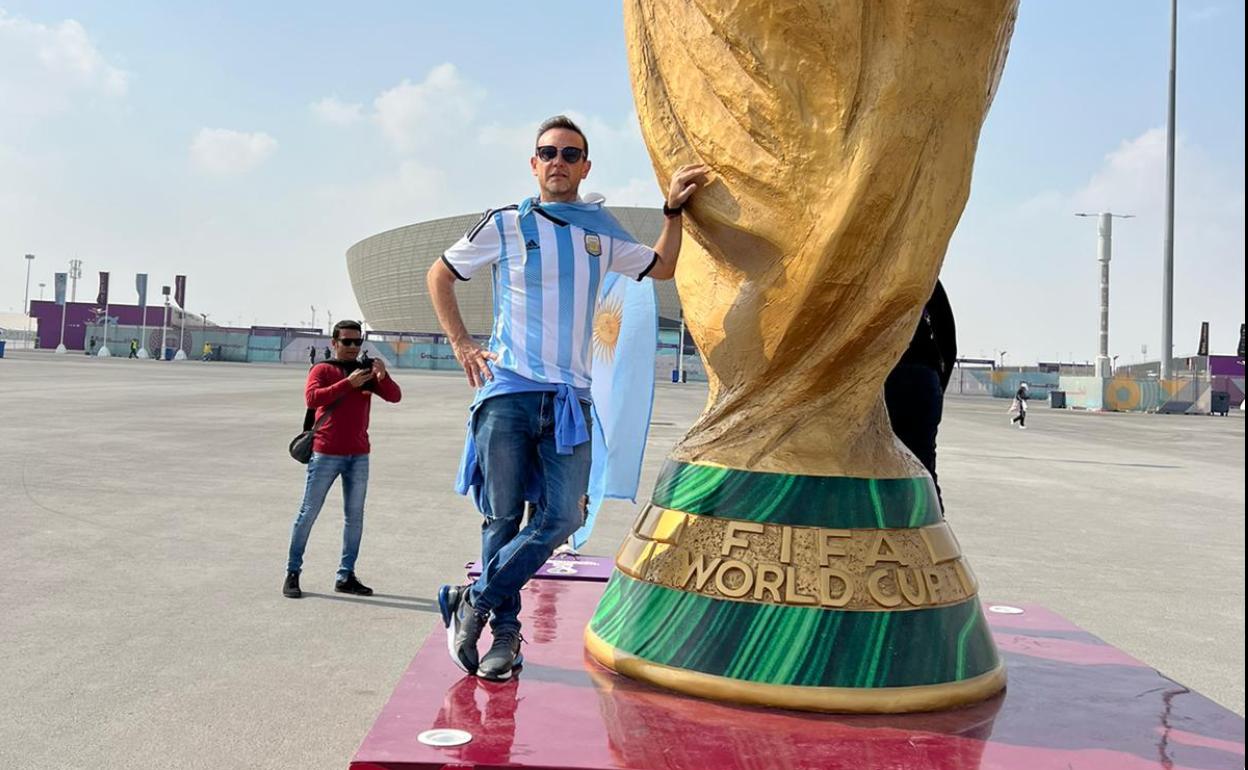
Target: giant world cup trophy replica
{"x":794,"y":553}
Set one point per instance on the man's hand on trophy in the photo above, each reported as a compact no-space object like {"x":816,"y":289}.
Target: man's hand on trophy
{"x":685,"y":182}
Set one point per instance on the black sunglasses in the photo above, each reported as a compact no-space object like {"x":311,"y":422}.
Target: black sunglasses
{"x":350,"y":342}
{"x":547,"y":153}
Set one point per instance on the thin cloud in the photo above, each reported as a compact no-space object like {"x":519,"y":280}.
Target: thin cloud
{"x":225,"y":152}
{"x":411,"y":115}
{"x":1206,"y":13}
{"x":334,"y":111}
{"x":46,"y":69}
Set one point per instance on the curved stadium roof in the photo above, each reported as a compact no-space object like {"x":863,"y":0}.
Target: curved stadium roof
{"x":387,"y":272}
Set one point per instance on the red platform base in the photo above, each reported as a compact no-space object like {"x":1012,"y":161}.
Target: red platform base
{"x":1073,"y":702}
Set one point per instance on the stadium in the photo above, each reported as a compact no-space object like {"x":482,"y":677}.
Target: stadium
{"x":388,"y":274}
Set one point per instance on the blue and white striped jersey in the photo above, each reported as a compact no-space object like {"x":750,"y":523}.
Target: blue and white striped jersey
{"x":547,"y":275}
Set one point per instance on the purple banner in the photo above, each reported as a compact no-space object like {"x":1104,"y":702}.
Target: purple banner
{"x":61,"y":279}
{"x":102,"y":297}
{"x":179,"y":290}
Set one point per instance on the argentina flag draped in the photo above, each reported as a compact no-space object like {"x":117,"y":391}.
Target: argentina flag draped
{"x":626,"y":327}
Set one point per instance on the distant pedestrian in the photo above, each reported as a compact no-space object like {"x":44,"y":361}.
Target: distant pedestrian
{"x":134,"y":348}
{"x":328,"y":354}
{"x":207,"y":352}
{"x":1019,"y":407}
{"x":312,"y":355}
{"x":91,"y":350}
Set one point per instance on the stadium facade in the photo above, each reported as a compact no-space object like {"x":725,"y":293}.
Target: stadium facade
{"x":388,"y":274}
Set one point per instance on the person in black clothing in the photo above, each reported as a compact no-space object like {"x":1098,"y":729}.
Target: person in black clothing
{"x":915,"y":390}
{"x":1019,"y":407}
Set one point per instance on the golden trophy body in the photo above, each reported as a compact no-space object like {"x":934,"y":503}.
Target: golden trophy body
{"x":794,"y":552}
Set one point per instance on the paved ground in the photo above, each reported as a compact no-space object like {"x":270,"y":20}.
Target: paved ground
{"x":146,"y":509}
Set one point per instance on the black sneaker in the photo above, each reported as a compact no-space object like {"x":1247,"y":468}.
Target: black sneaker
{"x":463,"y":626}
{"x":290,"y":589}
{"x":352,"y":585}
{"x":504,"y":656}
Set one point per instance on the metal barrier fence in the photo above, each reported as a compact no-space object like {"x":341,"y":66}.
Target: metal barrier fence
{"x":431,"y":352}
{"x":1184,"y":394}
{"x":17,"y":339}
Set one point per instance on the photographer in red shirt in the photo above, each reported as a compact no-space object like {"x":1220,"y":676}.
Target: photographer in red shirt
{"x":343,"y":387}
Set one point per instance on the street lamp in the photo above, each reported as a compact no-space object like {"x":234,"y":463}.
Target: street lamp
{"x":26,"y":300}
{"x":41,"y":291}
{"x":1105,"y":235}
{"x":1167,"y":255}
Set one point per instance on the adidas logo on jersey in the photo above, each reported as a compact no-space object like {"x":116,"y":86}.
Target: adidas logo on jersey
{"x":531,"y":245}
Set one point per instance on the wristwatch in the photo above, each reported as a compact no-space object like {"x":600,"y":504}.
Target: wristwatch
{"x":671,"y":213}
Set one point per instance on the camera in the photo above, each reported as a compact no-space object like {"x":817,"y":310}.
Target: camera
{"x":366,"y":363}
{"x":363,"y":362}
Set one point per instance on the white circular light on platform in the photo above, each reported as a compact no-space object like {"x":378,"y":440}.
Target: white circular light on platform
{"x":1005,"y":609}
{"x":444,"y":737}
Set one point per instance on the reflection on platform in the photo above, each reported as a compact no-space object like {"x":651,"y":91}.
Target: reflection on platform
{"x":1073,"y":701}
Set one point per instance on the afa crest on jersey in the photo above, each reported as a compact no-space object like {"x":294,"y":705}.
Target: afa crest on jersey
{"x":593,"y":245}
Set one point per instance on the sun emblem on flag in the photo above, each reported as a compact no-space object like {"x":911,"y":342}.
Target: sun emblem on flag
{"x":607,"y":323}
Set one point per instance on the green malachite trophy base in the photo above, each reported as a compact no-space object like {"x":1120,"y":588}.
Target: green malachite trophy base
{"x":805,"y":654}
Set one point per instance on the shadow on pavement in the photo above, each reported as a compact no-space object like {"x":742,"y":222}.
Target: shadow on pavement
{"x":415,"y":603}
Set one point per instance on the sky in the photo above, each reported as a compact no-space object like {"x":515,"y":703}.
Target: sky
{"x":248,"y":145}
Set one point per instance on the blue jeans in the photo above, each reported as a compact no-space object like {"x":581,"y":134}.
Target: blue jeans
{"x":322,"y":470}
{"x":515,"y":435}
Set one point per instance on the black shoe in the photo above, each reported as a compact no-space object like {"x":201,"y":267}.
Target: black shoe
{"x":290,"y":589}
{"x":352,"y":585}
{"x":504,"y":656}
{"x":463,"y":626}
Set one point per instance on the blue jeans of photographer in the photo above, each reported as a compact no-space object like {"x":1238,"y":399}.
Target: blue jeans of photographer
{"x":322,"y":470}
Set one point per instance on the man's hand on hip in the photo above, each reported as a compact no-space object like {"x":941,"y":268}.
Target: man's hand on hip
{"x":474,"y":359}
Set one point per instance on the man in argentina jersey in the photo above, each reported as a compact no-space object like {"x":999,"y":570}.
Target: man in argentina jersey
{"x":528,"y":435}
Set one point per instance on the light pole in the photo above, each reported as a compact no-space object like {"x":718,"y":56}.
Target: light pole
{"x":164,"y":324}
{"x":75,"y":272}
{"x":30,"y":258}
{"x":41,"y":291}
{"x":1104,"y":248}
{"x":181,"y":354}
{"x":680,"y":350}
{"x":1167,"y":255}
{"x":61,"y":280}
